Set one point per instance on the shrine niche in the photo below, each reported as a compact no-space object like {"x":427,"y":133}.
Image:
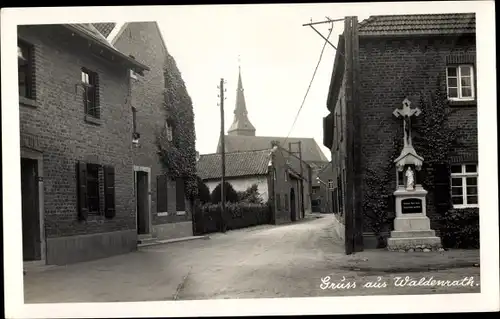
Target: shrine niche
{"x":411,"y":225}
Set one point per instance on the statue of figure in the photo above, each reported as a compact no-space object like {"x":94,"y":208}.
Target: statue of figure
{"x":410,"y":180}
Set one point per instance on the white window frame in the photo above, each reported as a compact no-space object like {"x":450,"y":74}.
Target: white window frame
{"x":463,"y":176}
{"x":459,"y":83}
{"x":330,"y":184}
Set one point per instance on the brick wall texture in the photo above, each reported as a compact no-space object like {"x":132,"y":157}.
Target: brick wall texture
{"x":393,"y":69}
{"x":143,"y":41}
{"x":65,"y":137}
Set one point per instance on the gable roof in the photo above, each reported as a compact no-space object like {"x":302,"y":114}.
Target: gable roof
{"x":104,"y":28}
{"x":89,"y":32}
{"x":418,"y":24}
{"x":310,"y":149}
{"x":237,"y":164}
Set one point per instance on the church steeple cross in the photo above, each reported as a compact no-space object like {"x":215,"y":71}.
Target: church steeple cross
{"x":407,"y":112}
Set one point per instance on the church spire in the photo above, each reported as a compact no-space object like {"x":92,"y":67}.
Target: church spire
{"x":241,"y":124}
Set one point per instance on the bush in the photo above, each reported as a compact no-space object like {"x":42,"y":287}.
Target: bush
{"x":231,"y":194}
{"x":460,"y":228}
{"x":238,"y":215}
{"x":251,"y":195}
{"x":203,"y":192}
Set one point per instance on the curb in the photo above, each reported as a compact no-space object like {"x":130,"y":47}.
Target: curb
{"x":174,"y":240}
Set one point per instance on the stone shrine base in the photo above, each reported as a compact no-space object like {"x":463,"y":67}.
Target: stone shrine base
{"x":413,"y":233}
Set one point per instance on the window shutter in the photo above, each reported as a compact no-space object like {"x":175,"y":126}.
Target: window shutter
{"x":442,"y":196}
{"x":180,"y":198}
{"x":83,"y":207}
{"x":97,"y":96}
{"x":109,"y":192}
{"x":161,"y":194}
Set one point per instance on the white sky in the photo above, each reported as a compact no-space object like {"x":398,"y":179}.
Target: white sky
{"x":278,"y":56}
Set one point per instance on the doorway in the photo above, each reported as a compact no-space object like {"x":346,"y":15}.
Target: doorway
{"x":293,"y":216}
{"x":32,"y":243}
{"x":142,"y":202}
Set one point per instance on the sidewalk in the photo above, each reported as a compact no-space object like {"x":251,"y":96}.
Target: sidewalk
{"x":383,"y":261}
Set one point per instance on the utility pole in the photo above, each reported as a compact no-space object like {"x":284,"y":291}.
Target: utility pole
{"x":223,"y":157}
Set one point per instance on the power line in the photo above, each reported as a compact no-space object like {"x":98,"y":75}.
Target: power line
{"x":310,"y":84}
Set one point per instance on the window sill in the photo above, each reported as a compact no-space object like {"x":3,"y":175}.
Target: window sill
{"x":465,"y":206}
{"x":462,"y":102}
{"x":162,"y":214}
{"x":28,"y":102}
{"x":180,"y":213}
{"x":92,"y":120}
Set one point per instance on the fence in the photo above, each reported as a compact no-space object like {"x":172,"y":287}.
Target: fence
{"x":207,"y":218}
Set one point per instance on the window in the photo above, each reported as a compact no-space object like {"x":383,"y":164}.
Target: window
{"x":170,"y":130}
{"x":24,"y":69}
{"x":286,"y":202}
{"x":161,"y":194}
{"x":180,"y":195}
{"x":90,"y":93}
{"x":464,"y":187}
{"x":96,"y":190}
{"x":135,"y":134}
{"x":330,"y":184}
{"x":460,"y":82}
{"x":93,"y":188}
{"x":314,"y":190}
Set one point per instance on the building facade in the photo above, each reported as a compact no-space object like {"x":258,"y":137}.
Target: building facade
{"x":86,"y":175}
{"x":275,"y":171}
{"x":399,"y":57}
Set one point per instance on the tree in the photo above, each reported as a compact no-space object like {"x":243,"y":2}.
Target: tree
{"x":203,"y":192}
{"x":230,"y":193}
{"x":250,"y":195}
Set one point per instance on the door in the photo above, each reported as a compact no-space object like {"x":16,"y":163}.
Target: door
{"x":142,"y":202}
{"x":293,"y":206}
{"x":30,"y":211}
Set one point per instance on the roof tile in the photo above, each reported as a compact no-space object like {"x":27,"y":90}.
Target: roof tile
{"x":419,"y":24}
{"x":104,"y":28}
{"x":237,"y":164}
{"x":310,"y":149}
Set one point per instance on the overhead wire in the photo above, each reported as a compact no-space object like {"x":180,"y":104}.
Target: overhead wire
{"x":310,"y":84}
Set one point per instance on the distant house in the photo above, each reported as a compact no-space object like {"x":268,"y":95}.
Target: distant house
{"x":241,"y":138}
{"x":275,"y":171}
{"x":90,"y":104}
{"x":323,"y":190}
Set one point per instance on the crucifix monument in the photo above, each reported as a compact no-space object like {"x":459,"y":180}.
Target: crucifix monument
{"x":411,"y":225}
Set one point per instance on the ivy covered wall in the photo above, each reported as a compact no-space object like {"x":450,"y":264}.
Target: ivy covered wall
{"x":178,"y":153}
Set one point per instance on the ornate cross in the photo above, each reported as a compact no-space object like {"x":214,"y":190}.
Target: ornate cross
{"x":406,"y":112}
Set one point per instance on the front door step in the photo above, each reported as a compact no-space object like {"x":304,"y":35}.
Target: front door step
{"x":145,"y":239}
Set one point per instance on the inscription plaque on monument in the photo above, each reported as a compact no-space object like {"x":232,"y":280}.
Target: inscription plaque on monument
{"x":411,"y":206}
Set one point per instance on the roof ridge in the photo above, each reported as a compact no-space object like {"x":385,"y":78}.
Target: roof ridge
{"x":233,"y":152}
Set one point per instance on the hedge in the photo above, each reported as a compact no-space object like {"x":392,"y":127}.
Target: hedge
{"x":207,"y":218}
{"x":460,"y":228}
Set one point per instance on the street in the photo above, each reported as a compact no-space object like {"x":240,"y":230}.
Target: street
{"x":296,"y":260}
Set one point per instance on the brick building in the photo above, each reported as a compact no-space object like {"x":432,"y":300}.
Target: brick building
{"x":398,"y":57}
{"x":87,"y":177}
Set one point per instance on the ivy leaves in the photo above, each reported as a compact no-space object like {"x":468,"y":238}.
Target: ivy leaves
{"x":178,"y":155}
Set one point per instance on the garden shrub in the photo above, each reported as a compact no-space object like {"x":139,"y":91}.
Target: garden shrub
{"x":237,"y":216}
{"x":460,"y":228}
{"x":231,"y":194}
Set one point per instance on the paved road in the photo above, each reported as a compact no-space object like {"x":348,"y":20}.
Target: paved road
{"x":265,"y":261}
